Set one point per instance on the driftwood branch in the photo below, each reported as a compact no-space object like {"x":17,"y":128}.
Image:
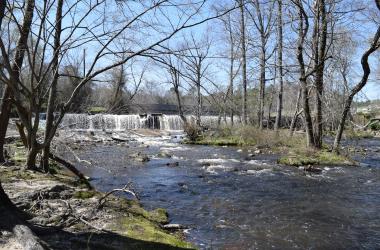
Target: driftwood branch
{"x":370,"y":122}
{"x":126,"y":189}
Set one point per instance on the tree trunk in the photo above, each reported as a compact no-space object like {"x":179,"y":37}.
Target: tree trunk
{"x":199,"y":94}
{"x":21,"y":131}
{"x":308,"y":120}
{"x":278,"y":124}
{"x":244,"y":60}
{"x":53,"y":88}
{"x":320,"y":52}
{"x":4,"y":120}
{"x":231,"y":73}
{"x":302,"y":33}
{"x":366,"y":72}
{"x":4,"y":199}
{"x":14,"y":75}
{"x":72,"y":168}
{"x":262,"y":84}
{"x":118,"y":95}
{"x":31,"y":156}
{"x":269,"y":110}
{"x":296,"y":114}
{"x":179,"y":103}
{"x":5,"y":105}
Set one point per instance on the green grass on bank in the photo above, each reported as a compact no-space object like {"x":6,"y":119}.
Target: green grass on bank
{"x":248,"y":136}
{"x":314,"y":157}
{"x":292,"y":148}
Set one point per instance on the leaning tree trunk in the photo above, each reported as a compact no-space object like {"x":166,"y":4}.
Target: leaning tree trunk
{"x":366,"y":72}
{"x":53,"y":87}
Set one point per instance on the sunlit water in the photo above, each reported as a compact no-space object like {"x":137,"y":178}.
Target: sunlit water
{"x":231,"y":202}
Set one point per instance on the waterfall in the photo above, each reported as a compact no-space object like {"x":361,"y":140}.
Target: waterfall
{"x":135,"y":121}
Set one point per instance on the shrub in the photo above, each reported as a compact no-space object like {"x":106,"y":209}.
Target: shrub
{"x":375,"y":126}
{"x":96,"y":110}
{"x":192,"y":131}
{"x":224,"y":131}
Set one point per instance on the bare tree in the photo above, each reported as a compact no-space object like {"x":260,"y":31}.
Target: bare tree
{"x":103,"y":33}
{"x":375,"y":45}
{"x":262,"y":19}
{"x":319,"y":51}
{"x":194,"y":58}
{"x":243,"y":58}
{"x":175,"y":80}
{"x":13,"y":70}
{"x":303,"y":27}
{"x":232,"y":73}
{"x":118,"y":81}
{"x":279,"y":65}
{"x":53,"y":87}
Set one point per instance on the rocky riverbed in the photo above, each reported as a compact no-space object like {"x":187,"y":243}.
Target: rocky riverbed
{"x":66,"y":215}
{"x":226,"y":197}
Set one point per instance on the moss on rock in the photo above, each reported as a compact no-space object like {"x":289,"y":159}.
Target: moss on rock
{"x":141,"y":228}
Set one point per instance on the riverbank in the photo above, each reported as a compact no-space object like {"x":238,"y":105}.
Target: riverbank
{"x":73,"y":217}
{"x":290,"y":149}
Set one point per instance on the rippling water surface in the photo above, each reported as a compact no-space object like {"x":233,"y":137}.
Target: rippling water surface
{"x":230,"y":201}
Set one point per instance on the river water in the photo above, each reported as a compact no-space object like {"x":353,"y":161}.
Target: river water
{"x":231,"y":201}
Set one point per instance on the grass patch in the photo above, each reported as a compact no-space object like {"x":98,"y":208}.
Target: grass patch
{"x":228,"y":141}
{"x":9,"y":175}
{"x":358,"y":134}
{"x":84,"y":194}
{"x":314,"y":157}
{"x":248,"y":136}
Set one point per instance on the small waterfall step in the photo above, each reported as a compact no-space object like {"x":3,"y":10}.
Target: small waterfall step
{"x":111,"y":122}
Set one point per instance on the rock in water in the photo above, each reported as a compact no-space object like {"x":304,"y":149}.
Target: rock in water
{"x":312,"y":169}
{"x":172,"y":164}
{"x":140,"y":157}
{"x":174,"y":227}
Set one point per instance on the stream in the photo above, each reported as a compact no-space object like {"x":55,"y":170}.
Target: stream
{"x":232,"y":201}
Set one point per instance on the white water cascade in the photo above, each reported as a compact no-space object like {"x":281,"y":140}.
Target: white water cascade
{"x":125,"y":122}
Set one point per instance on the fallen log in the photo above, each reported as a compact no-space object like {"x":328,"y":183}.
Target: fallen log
{"x":119,"y":139}
{"x":174,"y":227}
{"x":72,"y":168}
